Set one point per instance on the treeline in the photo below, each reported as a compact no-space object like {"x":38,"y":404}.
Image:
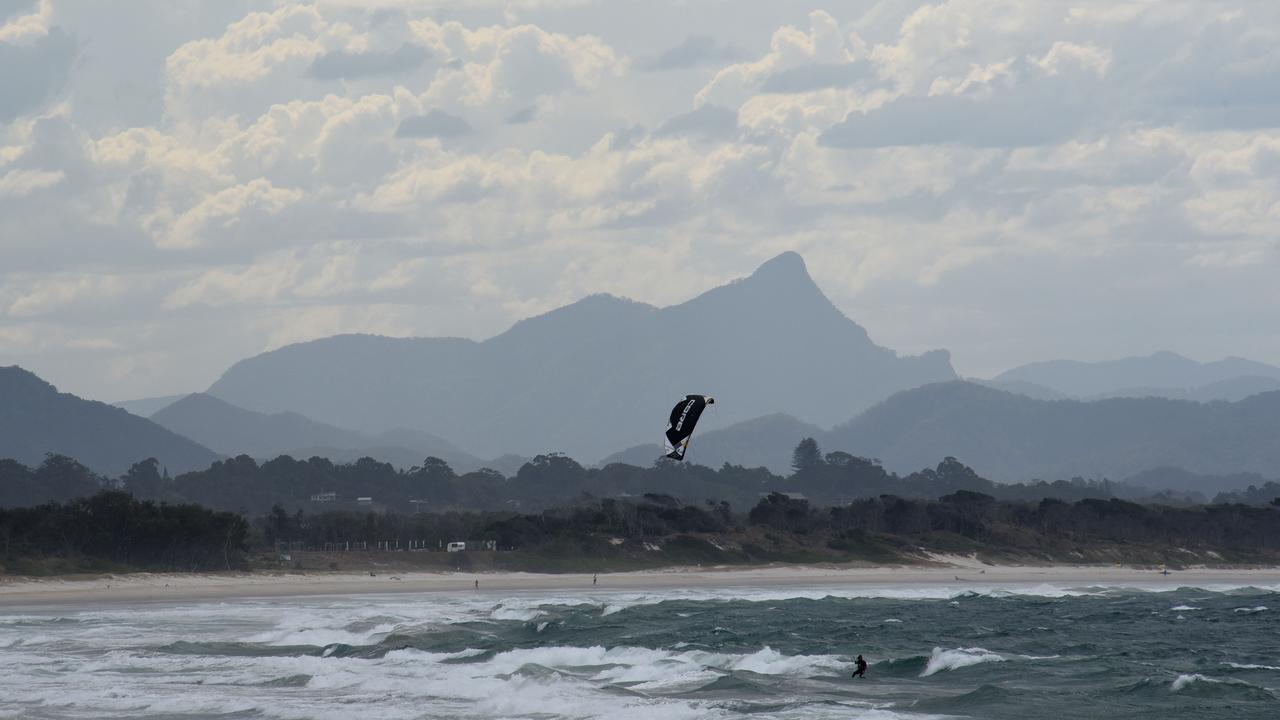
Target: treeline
{"x":783,"y":527}
{"x":112,"y":527}
{"x":115,"y":528}
{"x":246,"y":486}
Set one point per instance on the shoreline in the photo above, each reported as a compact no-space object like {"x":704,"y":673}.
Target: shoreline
{"x":961,"y":573}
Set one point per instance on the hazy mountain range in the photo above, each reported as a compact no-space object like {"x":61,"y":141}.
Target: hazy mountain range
{"x":601,"y":374}
{"x":36,"y":419}
{"x":1010,"y":437}
{"x":591,"y":377}
{"x":230,"y":430}
{"x":1162,"y":374}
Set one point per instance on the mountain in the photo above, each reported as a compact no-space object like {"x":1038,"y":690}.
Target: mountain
{"x":1163,"y":374}
{"x":36,"y":419}
{"x":1158,"y":443}
{"x":231,"y":430}
{"x":1232,"y":389}
{"x":596,"y":375}
{"x":1010,"y":437}
{"x":146,"y":407}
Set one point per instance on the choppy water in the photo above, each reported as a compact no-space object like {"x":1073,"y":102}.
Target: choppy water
{"x":778,"y":653}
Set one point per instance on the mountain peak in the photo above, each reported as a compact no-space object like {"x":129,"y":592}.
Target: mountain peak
{"x":788,"y":268}
{"x":15,"y":378}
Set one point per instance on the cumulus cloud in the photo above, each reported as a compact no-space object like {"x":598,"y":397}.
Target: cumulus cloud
{"x":795,"y":59}
{"x":19,"y":183}
{"x":35,"y":63}
{"x":693,"y":51}
{"x":708,"y":122}
{"x":340,"y":64}
{"x":435,"y":124}
{"x":390,"y":166}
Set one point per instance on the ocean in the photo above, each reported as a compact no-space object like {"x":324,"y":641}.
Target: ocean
{"x":967,"y":652}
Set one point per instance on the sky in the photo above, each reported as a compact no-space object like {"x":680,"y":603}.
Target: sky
{"x":186,"y":183}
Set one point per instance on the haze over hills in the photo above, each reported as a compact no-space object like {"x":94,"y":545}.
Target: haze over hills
{"x":146,"y":407}
{"x":1008,"y":437}
{"x":596,"y":375}
{"x":36,"y":419}
{"x":231,"y":430}
{"x":1162,"y":374}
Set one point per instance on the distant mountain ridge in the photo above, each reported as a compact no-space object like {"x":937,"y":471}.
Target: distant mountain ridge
{"x":1009,"y":437}
{"x":1162,"y":374}
{"x":596,"y":375}
{"x":231,"y":430}
{"x":36,"y":419}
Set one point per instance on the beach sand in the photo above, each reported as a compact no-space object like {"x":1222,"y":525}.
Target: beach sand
{"x":950,"y":571}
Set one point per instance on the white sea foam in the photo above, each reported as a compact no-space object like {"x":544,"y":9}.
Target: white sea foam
{"x":1258,"y":609}
{"x":1184,"y":680}
{"x":941,"y":660}
{"x":1251,"y":666}
{"x":510,"y":612}
{"x":117,"y":663}
{"x":1183,"y":608}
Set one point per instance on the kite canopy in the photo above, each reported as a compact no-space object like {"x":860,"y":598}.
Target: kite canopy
{"x":684,"y":416}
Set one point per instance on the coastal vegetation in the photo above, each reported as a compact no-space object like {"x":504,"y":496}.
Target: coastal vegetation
{"x":555,"y":514}
{"x":246,"y":486}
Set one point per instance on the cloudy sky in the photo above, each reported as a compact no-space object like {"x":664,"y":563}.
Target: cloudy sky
{"x":184,"y":183}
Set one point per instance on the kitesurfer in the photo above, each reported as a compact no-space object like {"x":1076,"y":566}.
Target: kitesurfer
{"x":861,"y":670}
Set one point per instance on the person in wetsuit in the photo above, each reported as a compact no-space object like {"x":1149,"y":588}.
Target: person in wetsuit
{"x":861,"y":670}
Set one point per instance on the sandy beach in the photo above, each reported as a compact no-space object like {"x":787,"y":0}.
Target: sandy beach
{"x":959,"y":572}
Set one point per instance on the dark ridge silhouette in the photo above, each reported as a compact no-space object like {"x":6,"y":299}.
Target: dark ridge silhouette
{"x":35,"y":419}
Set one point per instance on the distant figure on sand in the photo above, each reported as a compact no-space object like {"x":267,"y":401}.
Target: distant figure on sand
{"x":594,"y":578}
{"x":861,"y":670}
{"x":477,"y":584}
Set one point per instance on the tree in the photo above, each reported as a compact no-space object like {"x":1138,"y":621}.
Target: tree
{"x":144,"y":481}
{"x":63,"y":478}
{"x":806,"y":457}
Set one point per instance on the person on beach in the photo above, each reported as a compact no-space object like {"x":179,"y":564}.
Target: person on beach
{"x":861,"y":670}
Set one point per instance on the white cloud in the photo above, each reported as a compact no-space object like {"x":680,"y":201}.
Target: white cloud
{"x":48,"y":296}
{"x":19,"y":183}
{"x":27,"y":28}
{"x":952,"y":170}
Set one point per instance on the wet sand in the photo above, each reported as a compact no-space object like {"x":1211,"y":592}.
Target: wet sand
{"x":958,"y":572}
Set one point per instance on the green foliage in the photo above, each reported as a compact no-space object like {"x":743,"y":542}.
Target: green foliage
{"x":115,"y":528}
{"x":806,"y":457}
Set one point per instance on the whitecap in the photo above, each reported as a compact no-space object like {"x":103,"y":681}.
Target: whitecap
{"x":1184,"y":680}
{"x":954,"y":659}
{"x":1251,"y":666}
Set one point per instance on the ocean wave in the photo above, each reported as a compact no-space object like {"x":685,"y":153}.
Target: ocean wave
{"x":941,"y":660}
{"x":1250,"y":666}
{"x":1205,"y":686}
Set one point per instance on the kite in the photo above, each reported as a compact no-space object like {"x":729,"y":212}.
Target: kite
{"x":684,"y":416}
